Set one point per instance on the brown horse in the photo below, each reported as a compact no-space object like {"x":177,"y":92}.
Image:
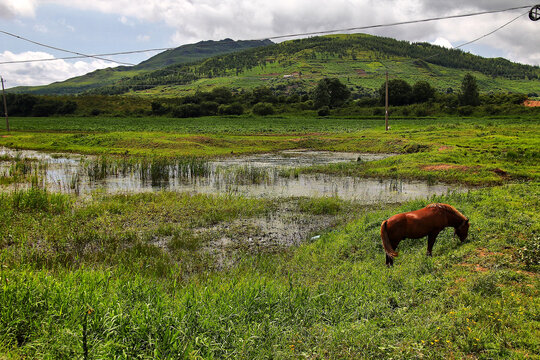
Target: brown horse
{"x":429,"y":221}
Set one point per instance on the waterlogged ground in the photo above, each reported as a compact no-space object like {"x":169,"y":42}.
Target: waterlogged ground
{"x":262,"y":175}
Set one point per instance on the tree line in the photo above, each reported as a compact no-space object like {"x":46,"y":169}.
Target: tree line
{"x":329,"y":96}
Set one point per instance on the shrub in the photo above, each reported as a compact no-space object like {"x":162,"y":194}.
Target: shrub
{"x":69,"y":107}
{"x":465,"y":110}
{"x":158,"y":108}
{"x":307,"y":105}
{"x":46,"y":108}
{"x":233,"y":109}
{"x":209,"y":108}
{"x":415,"y":148}
{"x":187,"y":111}
{"x":324,"y":111}
{"x":263,"y":109}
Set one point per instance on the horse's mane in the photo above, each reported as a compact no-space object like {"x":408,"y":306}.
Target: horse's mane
{"x":448,"y":208}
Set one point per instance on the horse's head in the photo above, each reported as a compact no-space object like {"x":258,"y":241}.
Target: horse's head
{"x":462,"y":230}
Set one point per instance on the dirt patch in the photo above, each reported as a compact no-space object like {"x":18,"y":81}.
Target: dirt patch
{"x":445,"y":167}
{"x":474,"y":267}
{"x":482,"y":252}
{"x":445,"y":148}
{"x":361,"y":72}
{"x":500,"y":172}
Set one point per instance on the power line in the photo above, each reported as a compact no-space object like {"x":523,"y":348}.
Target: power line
{"x":83,"y":56}
{"x":98,"y":56}
{"x":64,"y":50}
{"x":371,"y":60}
{"x":397,"y":23}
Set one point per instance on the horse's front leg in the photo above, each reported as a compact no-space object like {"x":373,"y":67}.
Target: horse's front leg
{"x":431,"y":241}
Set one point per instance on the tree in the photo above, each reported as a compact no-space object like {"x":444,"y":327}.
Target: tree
{"x":263,"y":109}
{"x":399,"y":92}
{"x":469,"y":91}
{"x":422,"y":91}
{"x":330,"y":92}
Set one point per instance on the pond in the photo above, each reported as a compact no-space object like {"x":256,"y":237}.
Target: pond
{"x":260,"y":175}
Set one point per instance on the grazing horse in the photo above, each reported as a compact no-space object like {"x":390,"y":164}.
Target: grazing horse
{"x":429,"y":221}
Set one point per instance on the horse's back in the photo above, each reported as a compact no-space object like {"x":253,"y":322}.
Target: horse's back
{"x":415,"y":224}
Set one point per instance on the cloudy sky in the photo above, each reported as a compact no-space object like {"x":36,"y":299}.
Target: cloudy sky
{"x":105,"y":26}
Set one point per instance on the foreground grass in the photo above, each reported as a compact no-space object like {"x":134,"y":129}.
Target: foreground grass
{"x":473,"y":151}
{"x":332,"y":298}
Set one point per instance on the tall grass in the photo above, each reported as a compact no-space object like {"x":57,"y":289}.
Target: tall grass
{"x":332,"y":298}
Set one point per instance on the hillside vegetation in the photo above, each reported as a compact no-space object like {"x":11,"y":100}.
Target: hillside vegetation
{"x":359,"y":61}
{"x":180,"y":55}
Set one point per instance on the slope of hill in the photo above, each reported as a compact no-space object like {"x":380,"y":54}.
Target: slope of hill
{"x":358,"y":60}
{"x":194,"y":52}
{"x":181,"y":55}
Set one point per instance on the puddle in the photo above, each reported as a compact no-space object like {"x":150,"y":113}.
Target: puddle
{"x":252,"y":176}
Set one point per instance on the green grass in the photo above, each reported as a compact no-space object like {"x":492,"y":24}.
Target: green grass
{"x":108,"y":286}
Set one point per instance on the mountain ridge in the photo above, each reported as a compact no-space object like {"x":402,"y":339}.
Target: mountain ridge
{"x":359,"y":60}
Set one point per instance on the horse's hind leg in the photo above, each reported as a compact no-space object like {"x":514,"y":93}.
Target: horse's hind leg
{"x":430,"y":242}
{"x":389,"y":261}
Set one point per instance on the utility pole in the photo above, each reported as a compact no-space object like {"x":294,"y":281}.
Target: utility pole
{"x":5,"y":103}
{"x":386,"y":104}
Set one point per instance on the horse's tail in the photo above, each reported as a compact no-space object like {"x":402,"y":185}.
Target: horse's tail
{"x":386,"y":241}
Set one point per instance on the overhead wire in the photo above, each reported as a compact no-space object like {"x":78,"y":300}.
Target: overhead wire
{"x":63,"y":50}
{"x":384,"y":66}
{"x":99,"y":56}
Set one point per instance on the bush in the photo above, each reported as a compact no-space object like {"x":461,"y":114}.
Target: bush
{"x":324,"y":111}
{"x":307,"y":105}
{"x":187,"y":111}
{"x":233,"y":109}
{"x":415,"y":148}
{"x":209,"y":108}
{"x":46,"y":108}
{"x":263,"y":109}
{"x":69,"y":107}
{"x":158,"y":108}
{"x":465,"y":110}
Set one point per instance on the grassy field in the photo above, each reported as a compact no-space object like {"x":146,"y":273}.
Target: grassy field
{"x":129,"y":282}
{"x":474,"y":151}
{"x":174,"y":275}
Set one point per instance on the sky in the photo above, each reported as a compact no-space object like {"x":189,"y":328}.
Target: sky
{"x":105,"y":26}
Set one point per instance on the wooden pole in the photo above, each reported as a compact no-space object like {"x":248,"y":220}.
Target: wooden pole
{"x":5,"y":104}
{"x":386,"y":104}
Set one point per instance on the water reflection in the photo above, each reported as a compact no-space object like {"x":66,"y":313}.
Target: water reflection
{"x":254,"y":176}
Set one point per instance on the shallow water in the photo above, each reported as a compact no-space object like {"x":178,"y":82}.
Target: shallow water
{"x":253,"y":175}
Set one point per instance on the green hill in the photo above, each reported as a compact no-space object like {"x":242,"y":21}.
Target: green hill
{"x":358,"y":60}
{"x":184,"y":54}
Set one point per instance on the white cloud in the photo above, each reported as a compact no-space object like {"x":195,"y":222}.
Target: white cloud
{"x":13,"y":8}
{"x":195,"y":20}
{"x":41,"y":28}
{"x":251,"y":19}
{"x":143,"y":38}
{"x":46,"y":72}
{"x":440,"y":41}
